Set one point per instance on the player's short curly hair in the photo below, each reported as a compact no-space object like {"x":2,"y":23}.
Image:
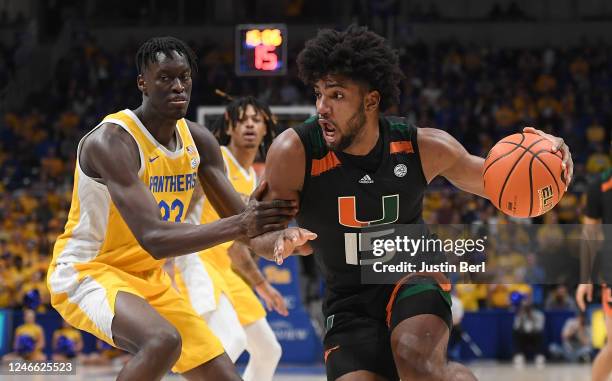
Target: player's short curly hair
{"x":356,"y":53}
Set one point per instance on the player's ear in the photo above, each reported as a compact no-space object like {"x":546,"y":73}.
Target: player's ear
{"x":142,"y":86}
{"x":372,"y":100}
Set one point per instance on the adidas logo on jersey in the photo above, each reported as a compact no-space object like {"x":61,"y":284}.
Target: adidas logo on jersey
{"x":366,"y":180}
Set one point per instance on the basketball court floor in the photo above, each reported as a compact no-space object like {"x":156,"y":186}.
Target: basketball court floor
{"x":483,"y":371}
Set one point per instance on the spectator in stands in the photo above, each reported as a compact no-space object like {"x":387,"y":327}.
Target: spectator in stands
{"x":568,"y":209}
{"x":17,"y":271}
{"x":576,"y":341}
{"x":499,"y":296}
{"x":550,"y":236}
{"x":528,"y":334}
{"x":596,"y":133}
{"x":598,"y":160}
{"x":508,"y":293}
{"x":67,"y":343}
{"x":7,"y":286}
{"x":472,"y":296}
{"x":29,"y":340}
{"x":34,"y":293}
{"x":505,"y":116}
{"x":534,"y":273}
{"x":560,"y":299}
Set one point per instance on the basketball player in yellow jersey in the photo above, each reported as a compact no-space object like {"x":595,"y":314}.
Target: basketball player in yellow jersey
{"x":134,"y":180}
{"x":232,"y":310}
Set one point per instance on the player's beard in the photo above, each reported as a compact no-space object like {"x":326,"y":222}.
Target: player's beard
{"x":249,"y":145}
{"x":353,"y":127}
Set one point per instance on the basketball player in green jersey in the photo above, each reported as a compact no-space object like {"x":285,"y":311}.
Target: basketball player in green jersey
{"x":352,"y":167}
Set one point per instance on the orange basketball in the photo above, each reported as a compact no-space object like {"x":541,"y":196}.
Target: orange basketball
{"x":522,"y":177}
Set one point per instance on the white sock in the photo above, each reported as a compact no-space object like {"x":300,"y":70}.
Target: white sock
{"x":264,"y":351}
{"x":224,"y":323}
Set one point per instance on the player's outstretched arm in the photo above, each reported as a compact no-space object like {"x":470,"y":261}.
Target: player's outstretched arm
{"x":112,"y":155}
{"x":276,"y":213}
{"x":226,"y":201}
{"x":285,"y":166}
{"x":443,"y":155}
{"x":240,"y":255}
{"x":211,"y":172}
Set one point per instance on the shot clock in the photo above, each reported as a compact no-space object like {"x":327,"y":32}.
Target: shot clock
{"x":261,"y":49}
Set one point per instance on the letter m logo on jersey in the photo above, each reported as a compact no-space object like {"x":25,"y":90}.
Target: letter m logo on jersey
{"x":347,"y":212}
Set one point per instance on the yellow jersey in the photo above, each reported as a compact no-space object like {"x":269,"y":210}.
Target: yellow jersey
{"x":6,"y":298}
{"x":31,"y":330}
{"x":96,"y":232}
{"x":69,"y":333}
{"x":244,"y":182}
{"x":7,"y":286}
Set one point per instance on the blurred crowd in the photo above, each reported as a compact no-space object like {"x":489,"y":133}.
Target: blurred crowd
{"x":477,"y":94}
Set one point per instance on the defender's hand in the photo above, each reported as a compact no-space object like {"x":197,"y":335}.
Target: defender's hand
{"x":558,"y":144}
{"x":264,"y":216}
{"x":290,"y":240}
{"x":273,"y":299}
{"x":582,"y":291}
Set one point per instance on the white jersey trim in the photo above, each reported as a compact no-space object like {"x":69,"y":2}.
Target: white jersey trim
{"x":89,"y":233}
{"x":248,"y":175}
{"x":166,"y":151}
{"x":88,"y":294}
{"x":199,"y":284}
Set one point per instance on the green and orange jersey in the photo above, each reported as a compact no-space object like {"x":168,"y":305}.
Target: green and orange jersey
{"x":343,"y":194}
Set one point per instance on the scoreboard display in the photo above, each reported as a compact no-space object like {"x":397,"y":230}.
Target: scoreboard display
{"x":261,"y":49}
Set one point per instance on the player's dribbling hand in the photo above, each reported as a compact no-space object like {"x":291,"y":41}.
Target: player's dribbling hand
{"x":273,"y":299}
{"x":265,"y":216}
{"x":290,"y":240}
{"x":582,"y":291}
{"x":558,"y":144}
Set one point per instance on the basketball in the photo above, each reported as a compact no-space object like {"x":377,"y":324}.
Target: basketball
{"x":522,"y":177}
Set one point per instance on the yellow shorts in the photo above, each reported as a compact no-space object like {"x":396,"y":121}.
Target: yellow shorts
{"x":200,"y":282}
{"x":248,"y":307}
{"x":204,"y":282}
{"x":84,"y":294}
